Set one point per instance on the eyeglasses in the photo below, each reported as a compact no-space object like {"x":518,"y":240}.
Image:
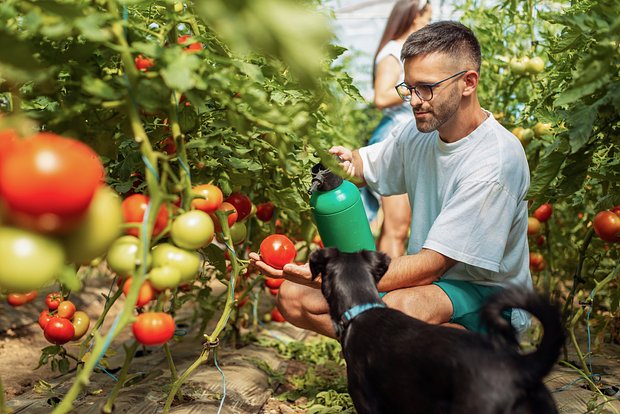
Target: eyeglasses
{"x":424,"y":91}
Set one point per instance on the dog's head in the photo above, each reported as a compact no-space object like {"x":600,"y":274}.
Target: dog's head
{"x":348,"y":279}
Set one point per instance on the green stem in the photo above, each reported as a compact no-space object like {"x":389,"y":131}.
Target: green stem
{"x":590,"y":383}
{"x":3,"y":408}
{"x":204,"y":355}
{"x":577,"y":277}
{"x":573,"y":338}
{"x":129,"y":354}
{"x":173,"y":369}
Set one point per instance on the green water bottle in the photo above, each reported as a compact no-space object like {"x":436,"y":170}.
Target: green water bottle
{"x":338,"y":212}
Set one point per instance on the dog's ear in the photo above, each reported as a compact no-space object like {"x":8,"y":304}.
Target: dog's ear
{"x":379,"y":263}
{"x":318,"y":260}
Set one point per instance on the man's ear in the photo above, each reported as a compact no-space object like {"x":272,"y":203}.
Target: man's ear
{"x":379,"y":263}
{"x":318,"y":260}
{"x":471,"y":79}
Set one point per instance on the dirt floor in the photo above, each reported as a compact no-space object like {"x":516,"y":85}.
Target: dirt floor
{"x":249,"y":389}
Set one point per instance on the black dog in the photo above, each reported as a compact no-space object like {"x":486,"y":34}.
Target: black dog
{"x":397,"y":364}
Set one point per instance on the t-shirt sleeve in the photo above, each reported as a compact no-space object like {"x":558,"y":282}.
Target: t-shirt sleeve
{"x":383,"y":164}
{"x":474,"y":225}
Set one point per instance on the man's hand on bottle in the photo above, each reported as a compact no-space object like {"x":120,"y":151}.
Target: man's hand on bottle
{"x":346,"y":156}
{"x":295,"y":273}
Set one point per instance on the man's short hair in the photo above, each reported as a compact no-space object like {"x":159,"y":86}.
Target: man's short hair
{"x":450,"y":38}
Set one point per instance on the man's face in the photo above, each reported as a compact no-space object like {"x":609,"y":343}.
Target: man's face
{"x":429,"y":69}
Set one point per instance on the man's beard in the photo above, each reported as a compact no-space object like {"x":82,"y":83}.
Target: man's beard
{"x":440,"y":114}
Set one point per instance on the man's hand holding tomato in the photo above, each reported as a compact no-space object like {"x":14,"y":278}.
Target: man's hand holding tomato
{"x":295,"y":273}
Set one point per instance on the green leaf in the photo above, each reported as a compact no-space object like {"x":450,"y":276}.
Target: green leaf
{"x":99,"y":88}
{"x":93,"y":28}
{"x":68,"y":278}
{"x":548,"y":168}
{"x":178,"y":74}
{"x":216,"y":258}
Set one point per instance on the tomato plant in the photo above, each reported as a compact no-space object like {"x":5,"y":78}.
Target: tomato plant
{"x":134,"y":207}
{"x":59,"y":330}
{"x":47,"y":182}
{"x":277,"y":250}
{"x":153,"y":328}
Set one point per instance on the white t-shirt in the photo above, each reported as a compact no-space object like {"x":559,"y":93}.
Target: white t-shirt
{"x":467,"y":198}
{"x":392,"y":49}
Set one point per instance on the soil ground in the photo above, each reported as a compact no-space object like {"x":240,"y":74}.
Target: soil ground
{"x":249,"y":389}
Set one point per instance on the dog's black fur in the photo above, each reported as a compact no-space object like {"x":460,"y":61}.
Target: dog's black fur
{"x":397,"y":364}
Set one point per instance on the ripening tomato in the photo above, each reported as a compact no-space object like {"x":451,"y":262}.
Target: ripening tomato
{"x":100,"y":227}
{"x":59,"y":330}
{"x":187,"y":262}
{"x":81,"y":323}
{"x":533,"y":226}
{"x":276,"y":316}
{"x":134,"y":207}
{"x":52,"y":300}
{"x":44,"y":318}
{"x":27,"y":260}
{"x":232,"y":217}
{"x":210,"y":199}
{"x":19,"y":299}
{"x":125,"y":254}
{"x":192,"y":230}
{"x":8,"y":139}
{"x":66,"y":309}
{"x":537,"y":261}
{"x":607,"y":226}
{"x":264,"y":211}
{"x":145,"y":295}
{"x":143,"y":63}
{"x":164,"y":277}
{"x":543,"y":213}
{"x":273,"y":283}
{"x":47,"y":182}
{"x":277,"y":250}
{"x":238,"y":234}
{"x":153,"y":328}
{"x":242,"y":204}
{"x":168,"y":145}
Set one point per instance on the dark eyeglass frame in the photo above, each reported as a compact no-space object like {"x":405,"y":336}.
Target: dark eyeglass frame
{"x":430,"y":86}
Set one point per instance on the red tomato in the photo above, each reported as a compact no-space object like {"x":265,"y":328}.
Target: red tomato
{"x":274,"y":292}
{"x":242,"y":204}
{"x":537,"y":261}
{"x":47,"y":182}
{"x":211,"y":198}
{"x":153,"y":328}
{"x":607,"y":226}
{"x":66,"y":309}
{"x":59,"y":330}
{"x":273,"y":283}
{"x":134,"y":207}
{"x":277,"y":250}
{"x":168,"y":146}
{"x":8,"y":139}
{"x":264,"y":211}
{"x":44,"y":318}
{"x":543,"y":213}
{"x":17,"y":299}
{"x":53,"y":300}
{"x":146,"y":294}
{"x":276,"y":316}
{"x":143,"y":64}
{"x":192,"y":47}
{"x":232,"y":217}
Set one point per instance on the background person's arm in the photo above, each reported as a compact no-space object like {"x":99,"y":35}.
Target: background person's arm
{"x":387,"y":75}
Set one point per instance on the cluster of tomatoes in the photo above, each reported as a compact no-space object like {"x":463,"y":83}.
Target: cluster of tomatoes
{"x":52,"y":200}
{"x":541,"y":215}
{"x":62,"y":322}
{"x":143,"y":64}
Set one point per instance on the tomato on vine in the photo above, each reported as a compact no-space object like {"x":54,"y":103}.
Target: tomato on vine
{"x":607,"y":226}
{"x":134,"y":207}
{"x":44,"y":318}
{"x":192,"y":230}
{"x":66,"y":309}
{"x":153,"y":328}
{"x":52,"y":300}
{"x":47,"y":182}
{"x":232,"y":216}
{"x":19,"y":299}
{"x":264,"y":211}
{"x":277,"y":250}
{"x":59,"y":330}
{"x":210,"y":199}
{"x":145,"y":294}
{"x":543,"y":213}
{"x":242,"y":204}
{"x":81,"y":323}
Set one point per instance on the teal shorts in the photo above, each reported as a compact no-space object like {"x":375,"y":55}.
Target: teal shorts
{"x":467,"y":300}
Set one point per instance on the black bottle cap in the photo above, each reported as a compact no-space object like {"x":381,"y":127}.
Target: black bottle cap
{"x":323,"y":179}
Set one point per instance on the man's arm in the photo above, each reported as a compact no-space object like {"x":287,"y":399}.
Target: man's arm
{"x":351,"y":162}
{"x":418,"y":269}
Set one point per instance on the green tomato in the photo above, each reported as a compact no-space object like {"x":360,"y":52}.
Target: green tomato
{"x":192,"y":230}
{"x":125,"y":254}
{"x":165,"y":277}
{"x":28,"y":260}
{"x":535,"y":65}
{"x":238,"y":233}
{"x":517,"y":66}
{"x":187,"y":262}
{"x":101,"y":226}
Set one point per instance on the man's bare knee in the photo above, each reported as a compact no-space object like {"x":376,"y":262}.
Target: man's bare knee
{"x":426,"y":303}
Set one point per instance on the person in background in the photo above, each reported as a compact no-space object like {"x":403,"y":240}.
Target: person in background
{"x":406,"y":17}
